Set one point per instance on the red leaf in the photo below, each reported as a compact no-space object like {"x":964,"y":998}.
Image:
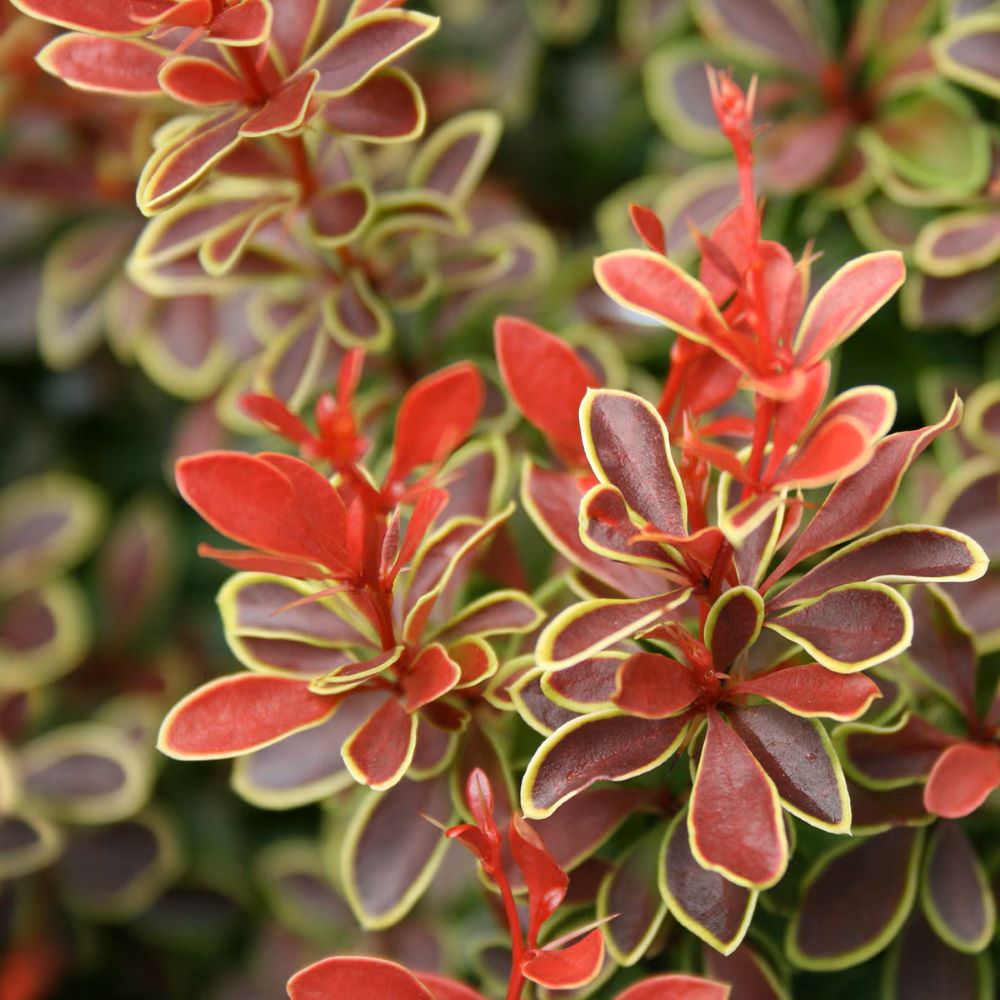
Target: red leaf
{"x":656,"y":287}
{"x":647,"y":224}
{"x":675,"y":987}
{"x":546,"y":379}
{"x":962,"y":778}
{"x":378,"y":753}
{"x":278,"y":504}
{"x":351,"y":978}
{"x":242,"y":23}
{"x":176,"y":13}
{"x":811,"y":689}
{"x":257,"y":563}
{"x":447,"y":989}
{"x":242,"y":712}
{"x":735,"y":819}
{"x":106,"y":17}
{"x":569,"y":967}
{"x":107,"y":65}
{"x":834,"y":450}
{"x":429,"y":504}
{"x":856,"y":291}
{"x":285,"y":110}
{"x":276,"y":417}
{"x":546,"y":881}
{"x":857,"y":502}
{"x":431,"y":675}
{"x":435,"y":417}
{"x":654,"y":687}
{"x":482,"y":804}
{"x":201,"y":82}
{"x":793,"y":416}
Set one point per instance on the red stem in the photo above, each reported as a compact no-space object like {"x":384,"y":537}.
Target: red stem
{"x":301,"y":166}
{"x":515,"y":984}
{"x":763,"y":416}
{"x":244,"y":56}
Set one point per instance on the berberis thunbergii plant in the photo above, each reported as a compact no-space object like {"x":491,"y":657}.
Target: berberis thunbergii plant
{"x":679,"y":664}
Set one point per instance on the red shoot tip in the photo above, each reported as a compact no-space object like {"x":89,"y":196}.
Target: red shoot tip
{"x":733,"y":107}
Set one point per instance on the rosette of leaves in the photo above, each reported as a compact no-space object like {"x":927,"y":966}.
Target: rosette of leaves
{"x":870,"y":129}
{"x":389,"y":229}
{"x":250,"y":71}
{"x":736,"y":658}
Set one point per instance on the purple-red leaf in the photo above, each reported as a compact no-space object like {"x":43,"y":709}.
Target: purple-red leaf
{"x":855,"y":900}
{"x":365,"y":45}
{"x":850,"y":627}
{"x":733,"y":624}
{"x":603,"y":746}
{"x":955,"y":891}
{"x":797,"y":756}
{"x":628,"y":446}
{"x":707,"y":904}
{"x":675,"y":987}
{"x":896,"y":555}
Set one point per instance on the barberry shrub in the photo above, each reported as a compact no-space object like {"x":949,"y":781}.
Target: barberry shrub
{"x":741,"y":723}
